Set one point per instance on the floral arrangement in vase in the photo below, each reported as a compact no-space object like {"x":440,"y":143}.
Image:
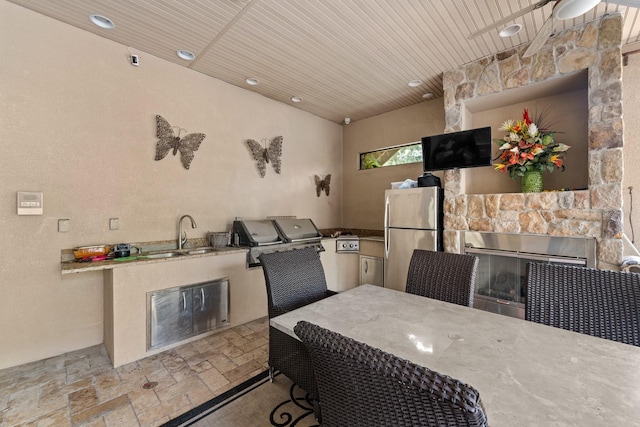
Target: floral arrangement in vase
{"x":527,"y":151}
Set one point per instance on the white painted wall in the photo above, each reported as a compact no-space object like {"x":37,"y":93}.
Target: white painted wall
{"x":363,"y":204}
{"x":77,"y":122}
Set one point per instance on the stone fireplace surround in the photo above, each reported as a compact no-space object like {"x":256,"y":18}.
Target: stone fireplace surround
{"x":595,"y":212}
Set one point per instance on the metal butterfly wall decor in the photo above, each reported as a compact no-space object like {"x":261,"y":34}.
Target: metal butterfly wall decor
{"x":168,"y":140}
{"x":268,"y":154}
{"x":323,"y":184}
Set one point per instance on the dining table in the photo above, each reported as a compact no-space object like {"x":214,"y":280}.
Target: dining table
{"x":527,"y":374}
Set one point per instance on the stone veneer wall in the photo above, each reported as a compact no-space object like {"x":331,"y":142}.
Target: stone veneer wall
{"x":596,"y":212}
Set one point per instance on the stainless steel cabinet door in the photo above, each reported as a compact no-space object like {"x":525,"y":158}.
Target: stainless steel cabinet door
{"x":169,"y":316}
{"x":209,"y":306}
{"x":371,"y":269}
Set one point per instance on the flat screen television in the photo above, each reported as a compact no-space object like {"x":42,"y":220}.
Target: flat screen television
{"x":465,"y":149}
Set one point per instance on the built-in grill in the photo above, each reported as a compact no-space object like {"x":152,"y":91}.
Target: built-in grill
{"x":275,"y":235}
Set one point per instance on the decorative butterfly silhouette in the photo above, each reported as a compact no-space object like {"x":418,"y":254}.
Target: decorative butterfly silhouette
{"x":169,"y":140}
{"x":323,"y":184}
{"x":265,"y":155}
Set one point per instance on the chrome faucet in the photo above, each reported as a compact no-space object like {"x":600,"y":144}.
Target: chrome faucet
{"x":182,"y":235}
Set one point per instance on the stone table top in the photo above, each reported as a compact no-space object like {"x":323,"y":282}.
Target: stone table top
{"x":526,"y":373}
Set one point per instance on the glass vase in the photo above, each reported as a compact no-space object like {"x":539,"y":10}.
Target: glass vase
{"x":531,"y":182}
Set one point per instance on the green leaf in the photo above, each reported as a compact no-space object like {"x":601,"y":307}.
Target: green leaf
{"x":547,"y":139}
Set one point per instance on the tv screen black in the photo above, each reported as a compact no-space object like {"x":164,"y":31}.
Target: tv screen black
{"x":464,"y":149}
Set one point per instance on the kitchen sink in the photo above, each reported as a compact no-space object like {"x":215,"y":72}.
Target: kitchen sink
{"x":198,"y":251}
{"x":174,"y":253}
{"x":163,"y":255}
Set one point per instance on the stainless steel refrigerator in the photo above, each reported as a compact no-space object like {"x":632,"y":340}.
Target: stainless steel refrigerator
{"x":412,"y":220}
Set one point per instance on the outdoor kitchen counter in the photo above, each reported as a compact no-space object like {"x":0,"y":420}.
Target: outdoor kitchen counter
{"x":127,"y":291}
{"x":68,"y":267}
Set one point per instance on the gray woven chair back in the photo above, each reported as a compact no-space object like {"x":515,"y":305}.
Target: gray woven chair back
{"x":601,"y":303}
{"x":442,"y":275}
{"x":362,"y":386}
{"x":294,"y":278}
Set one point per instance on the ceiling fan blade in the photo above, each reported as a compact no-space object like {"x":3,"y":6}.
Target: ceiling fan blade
{"x":510,"y":18}
{"x":628,"y":3}
{"x":541,"y":37}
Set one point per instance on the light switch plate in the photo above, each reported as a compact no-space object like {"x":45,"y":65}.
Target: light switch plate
{"x":114,"y":224}
{"x":30,"y":203}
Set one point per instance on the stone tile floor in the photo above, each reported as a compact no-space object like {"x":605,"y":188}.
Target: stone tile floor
{"x":82,"y":388}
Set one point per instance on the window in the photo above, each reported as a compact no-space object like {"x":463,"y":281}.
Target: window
{"x":399,"y":155}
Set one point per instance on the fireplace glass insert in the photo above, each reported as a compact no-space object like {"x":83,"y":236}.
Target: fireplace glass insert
{"x":501,"y":279}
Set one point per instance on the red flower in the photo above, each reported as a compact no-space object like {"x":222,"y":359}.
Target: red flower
{"x":525,"y":117}
{"x":524,"y":144}
{"x":527,"y":156}
{"x":556,"y":160}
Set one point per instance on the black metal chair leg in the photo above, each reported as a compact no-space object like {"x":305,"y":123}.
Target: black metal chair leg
{"x":316,"y":410}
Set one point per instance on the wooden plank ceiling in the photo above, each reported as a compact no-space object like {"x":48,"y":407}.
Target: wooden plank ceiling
{"x":345,"y":58}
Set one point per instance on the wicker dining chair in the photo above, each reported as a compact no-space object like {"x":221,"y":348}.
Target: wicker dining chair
{"x":362,"y":386}
{"x":601,"y":303}
{"x":442,"y":275}
{"x":294,"y":278}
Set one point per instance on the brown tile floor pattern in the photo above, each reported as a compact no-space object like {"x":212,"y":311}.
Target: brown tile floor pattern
{"x":82,"y":388}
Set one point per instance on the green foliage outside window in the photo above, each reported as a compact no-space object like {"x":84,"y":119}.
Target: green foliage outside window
{"x":400,"y":155}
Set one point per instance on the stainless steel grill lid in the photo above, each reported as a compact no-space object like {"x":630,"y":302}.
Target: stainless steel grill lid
{"x":265,"y":236}
{"x":297,"y":230}
{"x":256,"y":233}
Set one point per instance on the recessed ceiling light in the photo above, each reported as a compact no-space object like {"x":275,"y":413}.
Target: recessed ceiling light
{"x":186,"y":55}
{"x":427,"y":95}
{"x":251,"y":81}
{"x":510,"y":30}
{"x":296,"y":99}
{"x":415,"y":83}
{"x":102,"y":21}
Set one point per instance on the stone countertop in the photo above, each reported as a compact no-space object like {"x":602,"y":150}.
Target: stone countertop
{"x":369,"y":238}
{"x":374,"y":235}
{"x":373,"y":238}
{"x":68,"y":267}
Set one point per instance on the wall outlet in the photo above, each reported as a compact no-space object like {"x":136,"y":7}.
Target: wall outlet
{"x":114,"y":224}
{"x":63,"y":225}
